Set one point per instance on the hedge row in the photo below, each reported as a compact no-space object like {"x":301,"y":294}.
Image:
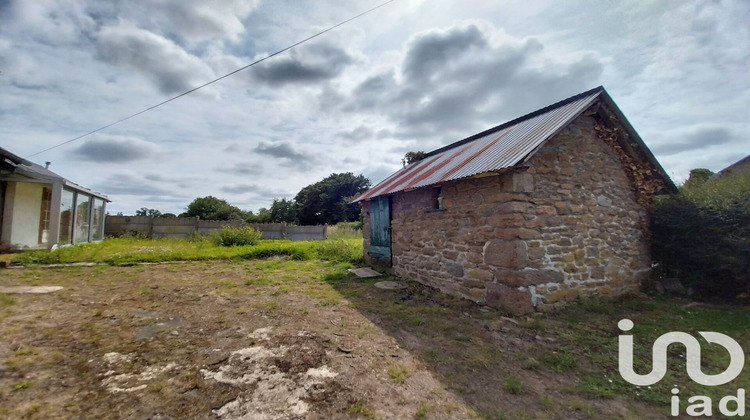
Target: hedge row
{"x":706,"y":248}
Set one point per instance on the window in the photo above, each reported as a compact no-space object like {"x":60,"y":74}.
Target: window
{"x":66,"y":217}
{"x":83,"y":213}
{"x":97,"y":220}
{"x":436,"y":200}
{"x":44,"y":216}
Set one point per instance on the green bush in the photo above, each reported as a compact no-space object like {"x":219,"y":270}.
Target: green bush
{"x":729,"y":192}
{"x":237,"y":236}
{"x":701,"y":236}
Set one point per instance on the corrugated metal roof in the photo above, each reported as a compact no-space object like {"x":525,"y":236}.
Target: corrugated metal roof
{"x":497,"y":148}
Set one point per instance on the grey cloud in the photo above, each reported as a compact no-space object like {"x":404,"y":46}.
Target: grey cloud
{"x":128,"y":184}
{"x":289,"y":157}
{"x":50,"y":23}
{"x":188,"y":20}
{"x":281,"y":150}
{"x":359,"y":133}
{"x":316,"y":63}
{"x":700,"y":138}
{"x":247,"y":188}
{"x":113,"y":149}
{"x":372,"y":93}
{"x":170,"y":67}
{"x":182,"y":181}
{"x":330,"y":99}
{"x":430,"y":51}
{"x":194,"y":20}
{"x":243,"y":168}
{"x":241,"y":188}
{"x":166,"y":199}
{"x":232,"y":148}
{"x":457,"y":82}
{"x":380,"y":173}
{"x":384,"y":133}
{"x":157,"y":178}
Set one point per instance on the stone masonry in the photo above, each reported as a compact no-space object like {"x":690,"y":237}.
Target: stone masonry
{"x":566,"y":223}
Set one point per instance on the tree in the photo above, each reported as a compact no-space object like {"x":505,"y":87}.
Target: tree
{"x":411,"y":157}
{"x":263,"y":216}
{"x":698,"y":177}
{"x":283,"y":211}
{"x":326,"y":201}
{"x":212,"y":208}
{"x":148,"y":212}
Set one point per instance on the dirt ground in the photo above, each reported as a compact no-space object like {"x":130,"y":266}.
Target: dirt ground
{"x":272,"y":339}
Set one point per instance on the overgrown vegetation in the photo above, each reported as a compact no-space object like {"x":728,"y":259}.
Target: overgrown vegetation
{"x":701,"y":236}
{"x":133,"y":250}
{"x":411,"y":157}
{"x":237,"y":236}
{"x":345,"y":230}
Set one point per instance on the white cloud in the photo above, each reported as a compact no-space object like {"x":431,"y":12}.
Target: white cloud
{"x":172,"y":69}
{"x":413,"y":75}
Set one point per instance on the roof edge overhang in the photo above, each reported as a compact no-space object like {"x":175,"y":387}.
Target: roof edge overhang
{"x":73,"y":186}
{"x":651,"y":159}
{"x":21,"y":170}
{"x":13,"y":158}
{"x":24,"y":168}
{"x":36,"y":178}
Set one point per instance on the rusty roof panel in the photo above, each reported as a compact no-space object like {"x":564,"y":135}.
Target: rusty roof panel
{"x":495,"y":149}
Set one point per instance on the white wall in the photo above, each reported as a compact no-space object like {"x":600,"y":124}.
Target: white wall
{"x":27,"y":207}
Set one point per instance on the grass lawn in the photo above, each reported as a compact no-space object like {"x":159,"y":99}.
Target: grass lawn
{"x":292,"y":336}
{"x":130,"y":250}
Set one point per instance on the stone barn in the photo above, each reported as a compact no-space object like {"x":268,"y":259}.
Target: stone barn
{"x":526,"y":215}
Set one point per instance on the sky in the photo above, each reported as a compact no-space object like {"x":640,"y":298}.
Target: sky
{"x":412,"y":75}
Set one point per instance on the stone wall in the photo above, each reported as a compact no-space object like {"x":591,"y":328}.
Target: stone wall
{"x":566,"y":224}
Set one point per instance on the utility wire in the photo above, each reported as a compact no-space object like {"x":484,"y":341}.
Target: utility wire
{"x":215,"y":80}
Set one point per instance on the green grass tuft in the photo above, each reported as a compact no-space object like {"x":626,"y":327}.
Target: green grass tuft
{"x":6,"y":300}
{"x":360,"y":408}
{"x":513,"y":385}
{"x":561,"y":360}
{"x":398,"y":373}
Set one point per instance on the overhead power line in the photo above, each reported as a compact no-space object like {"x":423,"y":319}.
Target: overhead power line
{"x":215,"y":80}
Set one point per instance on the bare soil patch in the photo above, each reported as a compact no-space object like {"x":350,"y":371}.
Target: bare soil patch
{"x":273,"y":339}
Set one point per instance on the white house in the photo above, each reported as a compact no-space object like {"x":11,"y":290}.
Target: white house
{"x":40,"y":209}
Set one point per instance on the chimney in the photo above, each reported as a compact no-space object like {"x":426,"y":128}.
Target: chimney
{"x":46,"y":165}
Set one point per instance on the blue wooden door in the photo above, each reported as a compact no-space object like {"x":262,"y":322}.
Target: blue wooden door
{"x":380,"y":227}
